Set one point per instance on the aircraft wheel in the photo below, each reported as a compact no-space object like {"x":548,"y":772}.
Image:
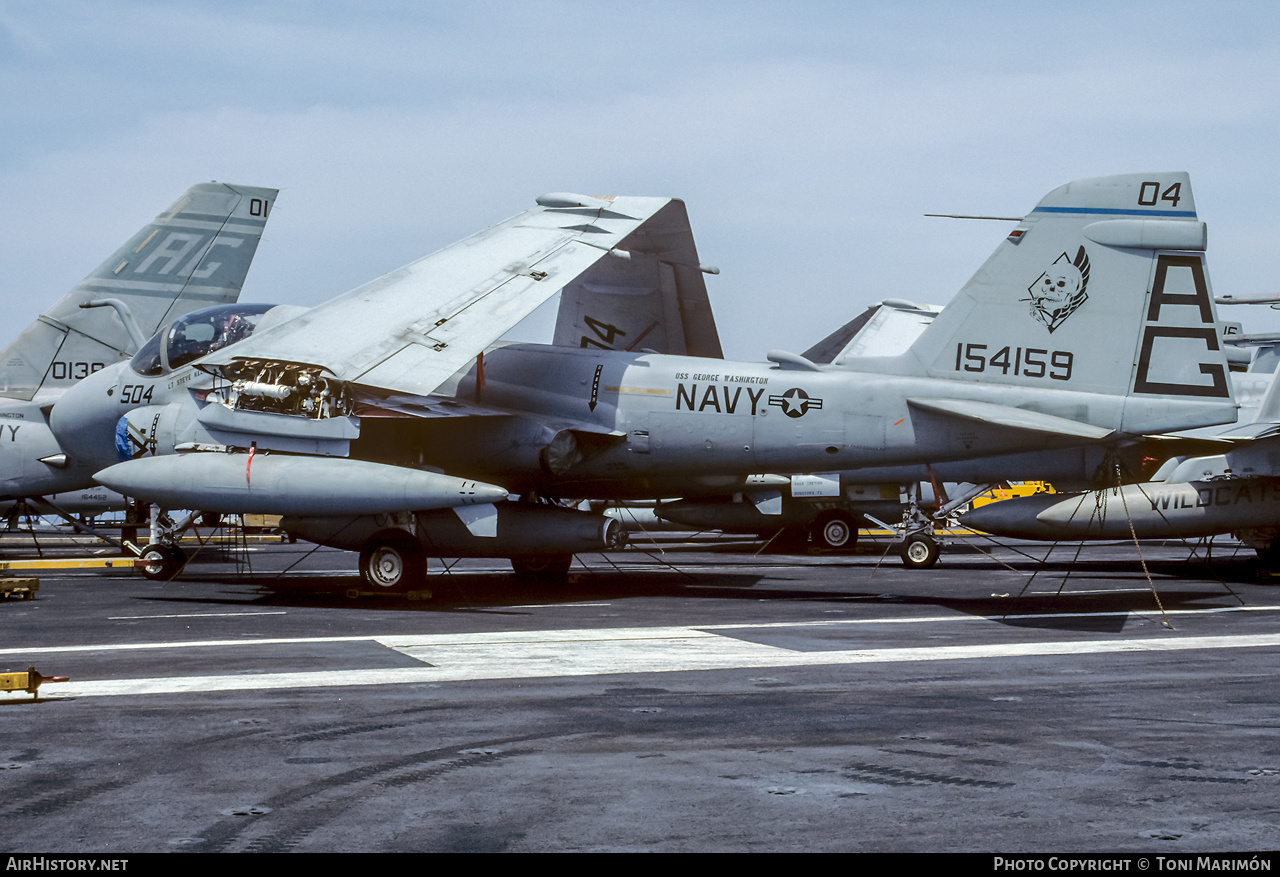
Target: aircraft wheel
{"x":392,"y":563}
{"x":545,"y":565}
{"x":1269,"y":557}
{"x":161,"y":562}
{"x":920,"y":552}
{"x":836,"y":531}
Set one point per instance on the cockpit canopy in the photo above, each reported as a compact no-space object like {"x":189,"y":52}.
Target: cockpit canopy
{"x":198,"y":333}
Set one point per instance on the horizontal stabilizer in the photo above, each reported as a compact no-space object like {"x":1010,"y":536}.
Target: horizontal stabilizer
{"x":1011,"y":418}
{"x":1246,"y":432}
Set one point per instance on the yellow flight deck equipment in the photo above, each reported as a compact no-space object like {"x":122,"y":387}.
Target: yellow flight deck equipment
{"x":22,"y":589}
{"x":29,"y":681}
{"x":1011,"y":490}
{"x":51,"y":563}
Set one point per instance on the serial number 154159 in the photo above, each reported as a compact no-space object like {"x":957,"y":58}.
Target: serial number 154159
{"x":1028,"y":362}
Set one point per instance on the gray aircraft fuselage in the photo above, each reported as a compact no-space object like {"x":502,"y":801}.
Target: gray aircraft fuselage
{"x":26,"y":440}
{"x":646,"y":424}
{"x":689,"y":421}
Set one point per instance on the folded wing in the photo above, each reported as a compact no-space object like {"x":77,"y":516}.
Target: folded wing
{"x":411,"y":330}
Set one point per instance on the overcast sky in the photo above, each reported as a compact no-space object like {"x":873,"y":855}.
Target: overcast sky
{"x":808,"y":139}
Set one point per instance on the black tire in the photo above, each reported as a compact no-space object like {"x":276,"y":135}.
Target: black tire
{"x":835,"y":530}
{"x":161,"y":562}
{"x":391,"y":564}
{"x":542,"y":565}
{"x":1269,"y":557}
{"x":920,"y":552}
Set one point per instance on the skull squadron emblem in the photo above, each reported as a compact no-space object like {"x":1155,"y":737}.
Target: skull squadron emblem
{"x":1059,"y":291}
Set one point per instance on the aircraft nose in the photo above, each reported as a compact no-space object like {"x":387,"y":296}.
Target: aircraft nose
{"x":84,"y":419}
{"x":487,"y":493}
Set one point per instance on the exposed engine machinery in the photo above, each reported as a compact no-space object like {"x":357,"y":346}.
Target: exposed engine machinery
{"x":283,"y":388}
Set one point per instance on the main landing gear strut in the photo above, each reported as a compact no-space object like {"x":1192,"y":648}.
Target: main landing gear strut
{"x":162,"y":558}
{"x":919,"y":545}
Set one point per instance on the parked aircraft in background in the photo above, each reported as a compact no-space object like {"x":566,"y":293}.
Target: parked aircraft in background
{"x":193,"y":255}
{"x":392,"y":431}
{"x":1265,"y":346}
{"x":88,"y":502}
{"x":1270,"y":299}
{"x":1235,"y":489}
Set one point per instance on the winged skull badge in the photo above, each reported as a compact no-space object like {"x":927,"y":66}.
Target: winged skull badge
{"x":1059,"y":291}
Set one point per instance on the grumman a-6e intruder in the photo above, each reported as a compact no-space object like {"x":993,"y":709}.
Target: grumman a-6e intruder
{"x":382,"y":422}
{"x":195,"y":254}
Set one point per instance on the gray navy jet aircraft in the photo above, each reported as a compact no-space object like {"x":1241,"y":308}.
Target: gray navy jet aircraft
{"x":826,"y":509}
{"x":193,"y":255}
{"x":384,"y":422}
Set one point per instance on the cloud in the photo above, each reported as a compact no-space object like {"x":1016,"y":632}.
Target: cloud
{"x":808,"y":140}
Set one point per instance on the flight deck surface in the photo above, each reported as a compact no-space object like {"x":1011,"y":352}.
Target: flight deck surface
{"x":671,"y":697}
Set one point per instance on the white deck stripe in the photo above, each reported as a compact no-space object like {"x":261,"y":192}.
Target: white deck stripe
{"x":551,"y":654}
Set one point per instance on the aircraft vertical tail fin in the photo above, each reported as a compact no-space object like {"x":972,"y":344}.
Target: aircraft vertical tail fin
{"x":650,"y":298}
{"x":1269,"y":407}
{"x":195,"y":254}
{"x":1101,"y":289}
